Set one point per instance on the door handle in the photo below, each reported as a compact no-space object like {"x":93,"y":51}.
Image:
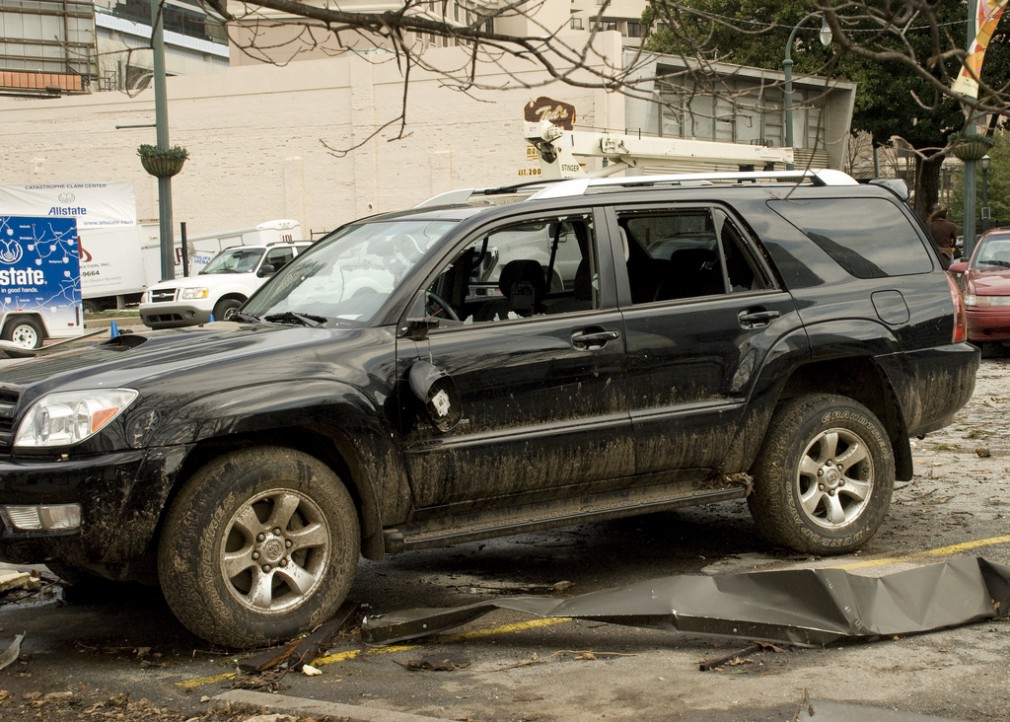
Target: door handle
{"x":593,"y":339}
{"x":757,"y":318}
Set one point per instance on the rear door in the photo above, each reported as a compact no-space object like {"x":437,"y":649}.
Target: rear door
{"x":701,"y":311}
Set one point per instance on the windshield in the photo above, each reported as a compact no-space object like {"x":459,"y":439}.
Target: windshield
{"x":234,"y":260}
{"x":993,"y":253}
{"x":349,"y":275}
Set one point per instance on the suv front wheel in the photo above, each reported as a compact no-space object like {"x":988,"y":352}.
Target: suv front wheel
{"x":259,"y":545}
{"x":823,"y":481}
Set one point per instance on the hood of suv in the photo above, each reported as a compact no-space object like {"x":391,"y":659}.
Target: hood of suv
{"x":250,"y":353}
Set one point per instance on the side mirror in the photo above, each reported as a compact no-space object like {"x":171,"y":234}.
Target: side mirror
{"x":437,"y":391}
{"x":267,"y":269}
{"x":958,"y":267}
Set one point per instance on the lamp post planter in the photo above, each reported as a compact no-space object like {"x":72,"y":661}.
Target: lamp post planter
{"x":162,"y":162}
{"x":970,"y":147}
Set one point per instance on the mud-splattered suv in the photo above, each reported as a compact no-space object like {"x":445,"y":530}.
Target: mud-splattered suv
{"x":469,"y":368}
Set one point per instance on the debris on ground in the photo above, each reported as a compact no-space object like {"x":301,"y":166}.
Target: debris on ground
{"x":803,"y":607}
{"x":436,"y":663}
{"x":296,"y":653}
{"x":12,"y":652}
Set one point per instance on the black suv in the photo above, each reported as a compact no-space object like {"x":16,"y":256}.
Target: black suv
{"x":492,"y":362}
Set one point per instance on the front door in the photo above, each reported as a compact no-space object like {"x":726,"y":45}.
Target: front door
{"x":532,"y":345}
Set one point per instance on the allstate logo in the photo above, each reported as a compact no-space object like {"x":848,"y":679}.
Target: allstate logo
{"x":10,"y":251}
{"x":67,"y":197}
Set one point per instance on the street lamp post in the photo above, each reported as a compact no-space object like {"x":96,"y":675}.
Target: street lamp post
{"x":161,"y":130}
{"x":985,"y":192}
{"x":787,"y":70}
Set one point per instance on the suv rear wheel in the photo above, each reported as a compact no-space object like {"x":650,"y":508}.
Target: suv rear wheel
{"x":823,"y":481}
{"x":259,"y":545}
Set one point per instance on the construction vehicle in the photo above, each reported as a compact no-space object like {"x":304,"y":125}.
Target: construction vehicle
{"x":560,"y":152}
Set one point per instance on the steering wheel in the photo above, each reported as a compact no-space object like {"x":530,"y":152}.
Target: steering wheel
{"x":433,"y":299}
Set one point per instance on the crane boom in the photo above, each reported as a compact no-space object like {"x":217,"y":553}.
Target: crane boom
{"x":560,"y":150}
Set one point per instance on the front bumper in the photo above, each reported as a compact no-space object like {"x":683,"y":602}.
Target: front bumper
{"x":987,"y":324}
{"x":121,"y":497}
{"x":173,"y":315}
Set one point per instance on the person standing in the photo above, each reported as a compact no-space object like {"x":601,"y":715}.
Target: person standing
{"x":944,"y":233}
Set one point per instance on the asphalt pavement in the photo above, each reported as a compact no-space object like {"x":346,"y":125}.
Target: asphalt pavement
{"x":508,"y":666}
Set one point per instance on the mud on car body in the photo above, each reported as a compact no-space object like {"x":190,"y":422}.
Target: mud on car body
{"x":467,"y":368}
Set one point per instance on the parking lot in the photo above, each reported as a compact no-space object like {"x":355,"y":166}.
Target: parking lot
{"x":98,"y":656}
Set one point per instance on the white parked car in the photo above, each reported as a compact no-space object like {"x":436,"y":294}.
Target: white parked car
{"x":219,"y":289}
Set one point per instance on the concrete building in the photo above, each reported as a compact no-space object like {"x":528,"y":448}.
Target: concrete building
{"x":265,"y":35}
{"x":195,"y":42}
{"x":54,"y":47}
{"x":317,"y":140}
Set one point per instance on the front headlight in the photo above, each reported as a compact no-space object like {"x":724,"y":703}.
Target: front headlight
{"x":193,"y":293}
{"x":67,"y":418}
{"x":973,"y":300}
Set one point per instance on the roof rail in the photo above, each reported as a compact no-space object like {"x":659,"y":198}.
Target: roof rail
{"x":580,"y":186}
{"x":466,"y":195}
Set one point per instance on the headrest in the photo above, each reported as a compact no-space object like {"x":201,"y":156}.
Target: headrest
{"x":522,"y":283}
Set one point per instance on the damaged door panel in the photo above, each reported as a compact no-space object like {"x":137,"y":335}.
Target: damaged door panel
{"x":539,"y":390}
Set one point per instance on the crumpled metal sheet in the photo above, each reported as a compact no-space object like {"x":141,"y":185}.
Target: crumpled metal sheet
{"x":804,"y":607}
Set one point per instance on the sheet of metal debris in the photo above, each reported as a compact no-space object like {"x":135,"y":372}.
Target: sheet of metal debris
{"x":804,"y":607}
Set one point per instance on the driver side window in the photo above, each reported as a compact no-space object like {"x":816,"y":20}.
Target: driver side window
{"x":525,"y":269}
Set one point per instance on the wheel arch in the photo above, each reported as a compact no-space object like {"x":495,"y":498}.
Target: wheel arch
{"x":861,"y":379}
{"x":312,"y":417}
{"x":338,"y":452}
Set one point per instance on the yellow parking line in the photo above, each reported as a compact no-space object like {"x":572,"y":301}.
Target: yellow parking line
{"x":938,"y":552}
{"x":535,"y":623}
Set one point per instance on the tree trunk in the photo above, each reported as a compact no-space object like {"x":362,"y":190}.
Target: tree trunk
{"x":927,"y":183}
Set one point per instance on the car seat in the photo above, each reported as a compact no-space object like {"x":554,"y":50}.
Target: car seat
{"x":522,"y":283}
{"x":523,"y":287}
{"x":693,"y":272}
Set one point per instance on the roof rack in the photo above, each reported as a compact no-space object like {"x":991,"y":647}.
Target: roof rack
{"x":466,"y":195}
{"x":581,"y":186}
{"x":565,"y":187}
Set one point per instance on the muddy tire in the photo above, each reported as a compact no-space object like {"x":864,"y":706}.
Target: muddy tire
{"x":24,"y":331}
{"x":823,"y":481}
{"x":259,"y":545}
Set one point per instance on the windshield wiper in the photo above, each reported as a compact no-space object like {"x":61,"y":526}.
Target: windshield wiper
{"x":244,"y":317}
{"x":304,"y":319}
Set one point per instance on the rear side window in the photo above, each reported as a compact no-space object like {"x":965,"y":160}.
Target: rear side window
{"x":868,"y":237}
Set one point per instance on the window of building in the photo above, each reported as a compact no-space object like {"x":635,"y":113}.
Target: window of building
{"x":577,"y":24}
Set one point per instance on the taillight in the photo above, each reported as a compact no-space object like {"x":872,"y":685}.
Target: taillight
{"x":960,"y":319}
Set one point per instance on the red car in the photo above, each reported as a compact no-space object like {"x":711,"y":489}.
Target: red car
{"x":985,"y":285}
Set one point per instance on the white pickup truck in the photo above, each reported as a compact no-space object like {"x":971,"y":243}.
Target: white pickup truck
{"x":219,"y":289}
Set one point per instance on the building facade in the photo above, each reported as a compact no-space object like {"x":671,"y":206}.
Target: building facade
{"x":319,"y":140}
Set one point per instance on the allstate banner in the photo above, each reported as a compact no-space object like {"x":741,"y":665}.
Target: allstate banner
{"x":40,"y":268}
{"x":94,"y":205}
{"x":983,"y":24}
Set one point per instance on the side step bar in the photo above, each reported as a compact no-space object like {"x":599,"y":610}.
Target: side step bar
{"x":504,"y":521}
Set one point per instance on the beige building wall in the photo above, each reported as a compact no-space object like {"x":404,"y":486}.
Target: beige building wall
{"x":256,"y":138}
